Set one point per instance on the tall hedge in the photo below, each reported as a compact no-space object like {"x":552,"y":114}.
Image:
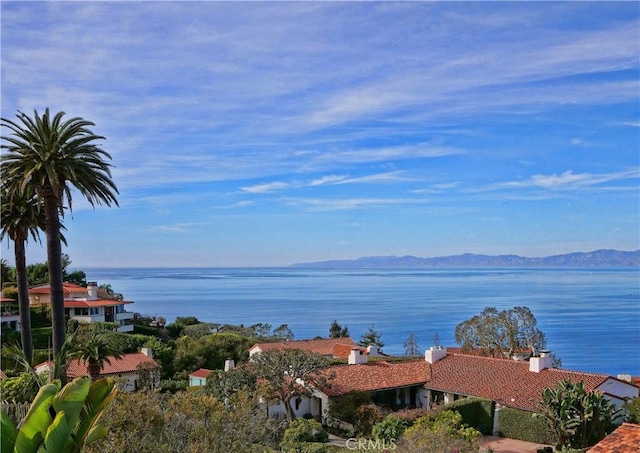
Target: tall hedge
{"x":476,"y":412}
{"x":522,"y":425}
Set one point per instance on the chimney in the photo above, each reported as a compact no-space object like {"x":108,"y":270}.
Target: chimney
{"x":537,"y":364}
{"x":229,"y":364}
{"x":147,"y":351}
{"x":357,"y":357}
{"x":373,"y":350}
{"x":434,"y":354}
{"x":92,"y":289}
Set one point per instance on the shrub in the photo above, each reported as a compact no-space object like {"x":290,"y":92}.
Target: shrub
{"x":438,"y":432}
{"x":475,"y":412}
{"x":391,"y":428}
{"x":366,"y":417}
{"x":522,"y":425}
{"x":302,"y":431}
{"x":344,"y":407}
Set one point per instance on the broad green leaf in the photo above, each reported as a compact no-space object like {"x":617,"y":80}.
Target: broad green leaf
{"x":101,"y":393}
{"x":97,"y":432}
{"x":8,"y":433}
{"x":71,"y":399}
{"x":58,"y":437}
{"x":31,"y":432}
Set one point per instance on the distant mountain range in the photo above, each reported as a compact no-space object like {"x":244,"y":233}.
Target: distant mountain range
{"x":597,"y":258}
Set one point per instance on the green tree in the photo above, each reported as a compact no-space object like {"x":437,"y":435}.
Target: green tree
{"x":371,"y":337}
{"x":338,"y":331}
{"x":210,"y":351}
{"x":96,"y":352}
{"x":575,"y":417}
{"x":21,"y":218}
{"x":411,"y":346}
{"x":185,"y":422}
{"x":632,"y":409}
{"x":500,"y":333}
{"x":283,"y":333}
{"x":51,"y":156}
{"x":7,"y":273}
{"x":224,"y":384}
{"x":290,"y":372}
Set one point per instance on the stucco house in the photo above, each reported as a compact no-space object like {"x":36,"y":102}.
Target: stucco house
{"x":199,"y":377}
{"x":443,"y":377}
{"x":10,"y":314}
{"x":125,"y":369}
{"x":83,"y":305}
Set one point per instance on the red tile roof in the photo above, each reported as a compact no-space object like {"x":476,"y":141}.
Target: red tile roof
{"x":67,"y":288}
{"x":202,"y":373}
{"x":323,"y":346}
{"x":376,"y":376}
{"x":343,"y":350}
{"x":625,"y":439}
{"x":93,"y":303}
{"x":127,"y":364}
{"x":508,"y":382}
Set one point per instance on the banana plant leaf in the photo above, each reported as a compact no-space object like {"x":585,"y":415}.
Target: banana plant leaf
{"x":8,"y":433}
{"x":31,"y":433}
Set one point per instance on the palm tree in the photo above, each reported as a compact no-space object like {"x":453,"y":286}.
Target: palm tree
{"x":21,"y":217}
{"x":95,"y":352}
{"x":52,"y":156}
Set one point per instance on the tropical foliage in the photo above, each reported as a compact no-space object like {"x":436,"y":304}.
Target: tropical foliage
{"x":576,"y":418}
{"x":51,"y":156}
{"x":96,"y":352}
{"x":60,"y":420}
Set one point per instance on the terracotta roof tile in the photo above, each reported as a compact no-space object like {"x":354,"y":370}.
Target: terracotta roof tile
{"x":67,"y":288}
{"x":323,"y":346}
{"x":625,"y":439}
{"x":376,"y":376}
{"x":127,"y":364}
{"x":508,"y":382}
{"x":202,"y":373}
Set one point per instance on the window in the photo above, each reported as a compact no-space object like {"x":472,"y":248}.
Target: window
{"x":95,"y":311}
{"x":82,"y":312}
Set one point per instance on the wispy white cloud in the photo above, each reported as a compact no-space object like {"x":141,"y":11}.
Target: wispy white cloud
{"x":177,"y":227}
{"x":266,"y":188}
{"x":326,"y":204}
{"x":569,"y":180}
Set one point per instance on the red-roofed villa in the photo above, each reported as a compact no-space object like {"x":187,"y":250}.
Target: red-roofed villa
{"x":442,"y":377}
{"x":124,"y":369}
{"x":83,"y":305}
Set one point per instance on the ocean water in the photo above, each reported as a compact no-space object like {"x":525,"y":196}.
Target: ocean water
{"x":591,"y":317}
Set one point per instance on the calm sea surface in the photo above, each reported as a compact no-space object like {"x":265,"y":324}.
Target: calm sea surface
{"x":591,"y":316}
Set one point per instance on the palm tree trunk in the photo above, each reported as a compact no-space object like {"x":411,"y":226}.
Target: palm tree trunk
{"x":23,"y":299}
{"x":54,"y":262}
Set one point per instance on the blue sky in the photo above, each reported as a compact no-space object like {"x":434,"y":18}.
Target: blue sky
{"x":253,"y":134}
